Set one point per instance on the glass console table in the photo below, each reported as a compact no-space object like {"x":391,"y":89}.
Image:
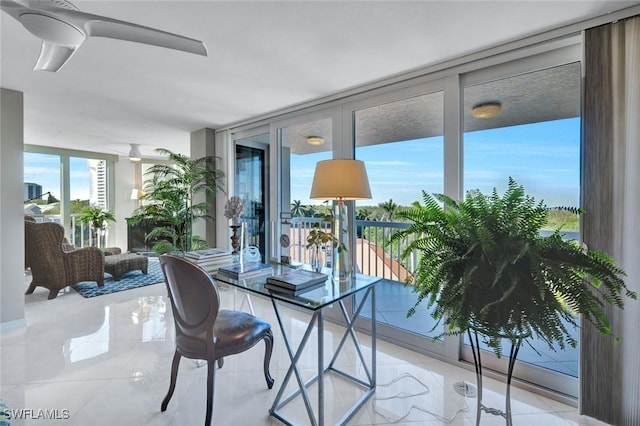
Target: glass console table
{"x":316,"y":301}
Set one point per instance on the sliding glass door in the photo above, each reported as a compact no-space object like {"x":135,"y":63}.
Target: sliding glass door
{"x":401,"y":141}
{"x":302,"y":143}
{"x":436,"y":134}
{"x":251,"y":176}
{"x":527,"y":126}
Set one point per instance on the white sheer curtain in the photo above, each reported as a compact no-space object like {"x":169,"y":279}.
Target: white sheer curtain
{"x":610,"y":371}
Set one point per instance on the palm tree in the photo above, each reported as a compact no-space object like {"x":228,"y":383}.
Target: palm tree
{"x":168,"y":198}
{"x":297,"y":209}
{"x":363,"y":213}
{"x":389,"y":208}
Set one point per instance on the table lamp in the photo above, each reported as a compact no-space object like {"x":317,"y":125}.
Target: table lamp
{"x":340,"y":180}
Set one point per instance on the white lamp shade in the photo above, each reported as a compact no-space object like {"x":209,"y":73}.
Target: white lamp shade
{"x":340,"y":180}
{"x":137,"y":193}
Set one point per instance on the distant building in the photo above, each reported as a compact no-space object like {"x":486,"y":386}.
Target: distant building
{"x":32,"y":191}
{"x":98,"y":182}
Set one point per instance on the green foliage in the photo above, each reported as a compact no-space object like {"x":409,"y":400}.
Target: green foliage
{"x":389,"y":208}
{"x":168,"y":199}
{"x":96,"y":216}
{"x":484,"y":265}
{"x":297,"y":208}
{"x":562,"y":219}
{"x":319,"y":237}
{"x":76,"y":206}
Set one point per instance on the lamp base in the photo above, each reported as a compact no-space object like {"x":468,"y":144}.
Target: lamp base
{"x":341,"y":261}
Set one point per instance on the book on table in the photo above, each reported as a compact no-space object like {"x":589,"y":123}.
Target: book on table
{"x":208,"y":254}
{"x":293,"y":292}
{"x":297,"y":279}
{"x":245,"y":270}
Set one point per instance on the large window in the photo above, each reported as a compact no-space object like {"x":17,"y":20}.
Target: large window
{"x":302,"y":145}
{"x":532,"y":134}
{"x":421,"y":134}
{"x":402,"y":145}
{"x":42,"y":185}
{"x":59,"y":184}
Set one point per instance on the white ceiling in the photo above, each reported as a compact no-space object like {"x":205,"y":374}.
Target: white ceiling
{"x":263,"y":56}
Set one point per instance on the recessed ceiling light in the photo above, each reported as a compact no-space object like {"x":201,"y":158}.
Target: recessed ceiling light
{"x":486,"y":110}
{"x":315,"y":140}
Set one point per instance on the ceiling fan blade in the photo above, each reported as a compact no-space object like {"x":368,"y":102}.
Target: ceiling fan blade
{"x":53,"y":57}
{"x":99,"y":26}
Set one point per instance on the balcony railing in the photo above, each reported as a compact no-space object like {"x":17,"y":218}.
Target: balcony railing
{"x":79,"y":234}
{"x":374,"y":256}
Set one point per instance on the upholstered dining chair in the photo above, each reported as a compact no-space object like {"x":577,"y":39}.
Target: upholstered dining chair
{"x":203,"y":330}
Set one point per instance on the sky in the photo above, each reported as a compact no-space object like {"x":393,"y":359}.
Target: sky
{"x":44,"y":169}
{"x":543,"y":157}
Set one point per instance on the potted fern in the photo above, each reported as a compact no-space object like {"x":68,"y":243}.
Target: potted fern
{"x":485,"y":268}
{"x":98,"y":218}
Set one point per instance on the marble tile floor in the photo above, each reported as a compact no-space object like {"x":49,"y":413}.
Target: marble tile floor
{"x":106,"y":360}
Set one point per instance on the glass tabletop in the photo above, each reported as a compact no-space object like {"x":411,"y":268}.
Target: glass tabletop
{"x":314,"y":299}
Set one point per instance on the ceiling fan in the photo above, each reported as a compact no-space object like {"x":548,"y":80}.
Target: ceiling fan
{"x":63,"y":28}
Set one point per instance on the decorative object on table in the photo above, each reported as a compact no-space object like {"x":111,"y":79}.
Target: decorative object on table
{"x":487,"y":270}
{"x":98,"y":218}
{"x":296,"y":281}
{"x":317,"y":240}
{"x":251,"y":254}
{"x":210,"y":259}
{"x":232,"y":211}
{"x":293,"y":292}
{"x":168,"y":200}
{"x":340,"y":180}
{"x":285,"y":238}
{"x":244,"y":270}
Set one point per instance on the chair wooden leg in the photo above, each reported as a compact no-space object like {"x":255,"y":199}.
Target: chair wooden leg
{"x":220,"y":362}
{"x":211,"y":381}
{"x":31,"y":289}
{"x":53,"y":293}
{"x":174,"y":376}
{"x":268,"y":349}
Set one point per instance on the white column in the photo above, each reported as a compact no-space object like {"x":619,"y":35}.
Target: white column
{"x":203,"y":144}
{"x":12,"y":283}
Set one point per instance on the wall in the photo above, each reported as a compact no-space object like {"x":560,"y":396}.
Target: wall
{"x":124,"y":181}
{"x":12,"y":284}
{"x":202,"y":144}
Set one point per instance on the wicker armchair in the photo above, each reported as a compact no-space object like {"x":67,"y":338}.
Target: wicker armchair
{"x":54,"y":268}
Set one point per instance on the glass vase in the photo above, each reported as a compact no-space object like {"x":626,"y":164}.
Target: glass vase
{"x":317,"y":258}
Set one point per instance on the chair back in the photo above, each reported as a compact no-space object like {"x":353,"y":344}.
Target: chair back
{"x":43,"y":250}
{"x":194,"y":297}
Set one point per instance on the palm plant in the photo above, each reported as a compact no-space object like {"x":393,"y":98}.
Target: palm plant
{"x":98,"y":218}
{"x":169,"y":200}
{"x":297,"y":208}
{"x":389,"y":208}
{"x":484,"y":266}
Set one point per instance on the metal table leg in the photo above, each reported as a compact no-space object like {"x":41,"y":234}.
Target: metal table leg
{"x":317,"y":319}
